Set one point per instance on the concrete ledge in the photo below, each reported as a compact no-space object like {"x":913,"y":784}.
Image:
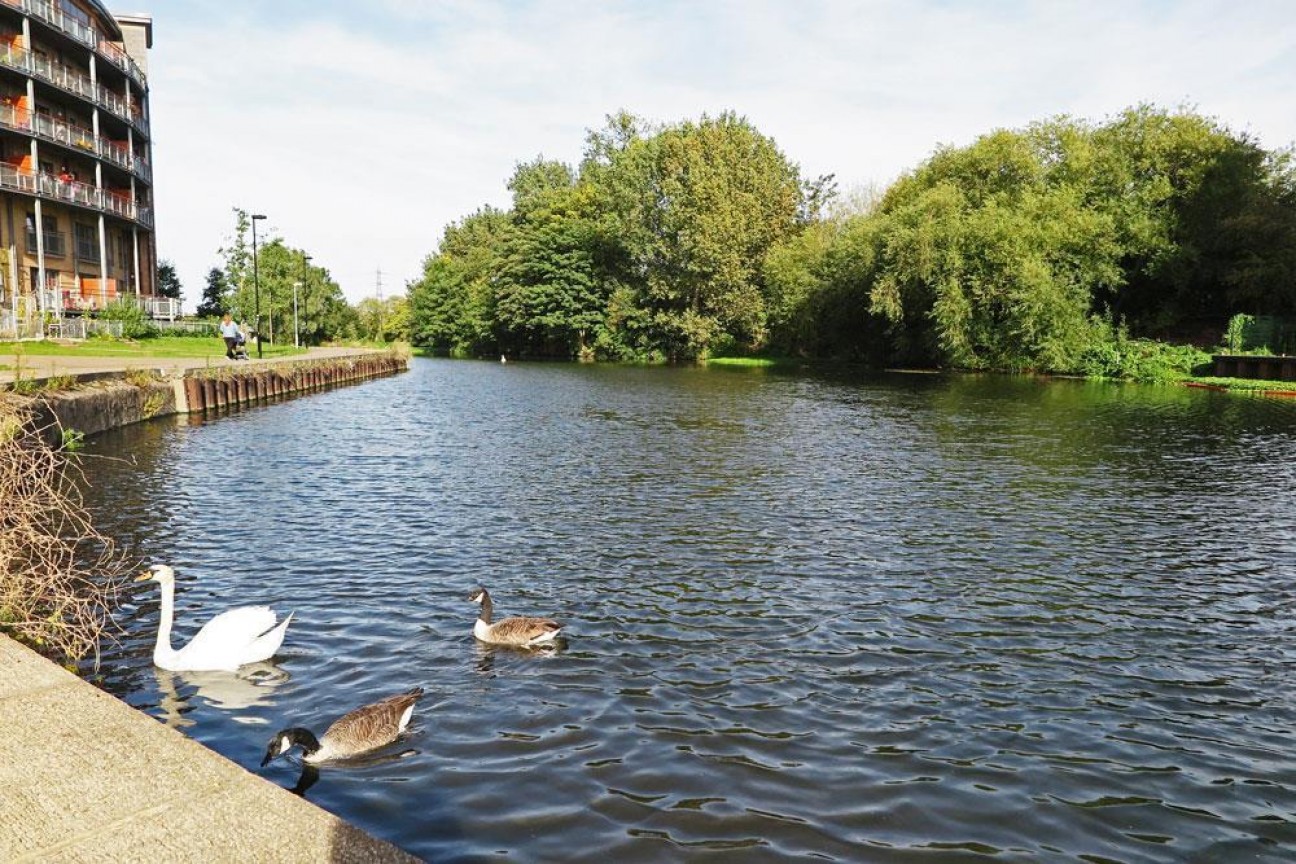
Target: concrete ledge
{"x":85,"y":777}
{"x":108,"y":396}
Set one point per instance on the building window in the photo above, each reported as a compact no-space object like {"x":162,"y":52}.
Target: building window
{"x":53,"y":238}
{"x":70,"y":9}
{"x":87,"y":244}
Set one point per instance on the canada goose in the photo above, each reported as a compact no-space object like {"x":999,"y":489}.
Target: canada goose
{"x":521,"y":632}
{"x":244,"y":635}
{"x":352,"y":734}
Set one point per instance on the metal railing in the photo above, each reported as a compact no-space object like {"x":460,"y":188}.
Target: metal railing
{"x":73,"y":135}
{"x":75,"y":192}
{"x":82,"y":327}
{"x":193,"y":328}
{"x":72,"y":81}
{"x":157,"y":308}
{"x":82,"y":32}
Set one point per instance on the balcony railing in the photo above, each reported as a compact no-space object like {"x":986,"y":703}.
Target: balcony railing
{"x":157,"y":308}
{"x":72,"y":81}
{"x":72,"y":135}
{"x":71,"y":191}
{"x":81,"y":32}
{"x":123,"y":61}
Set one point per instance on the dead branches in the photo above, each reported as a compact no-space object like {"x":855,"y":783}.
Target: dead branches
{"x":59,"y":577}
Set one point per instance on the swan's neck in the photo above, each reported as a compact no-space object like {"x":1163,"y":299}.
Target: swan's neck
{"x":163,"y":647}
{"x":485,"y":615}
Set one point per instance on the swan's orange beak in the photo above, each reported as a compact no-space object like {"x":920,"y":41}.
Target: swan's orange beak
{"x":144,"y":577}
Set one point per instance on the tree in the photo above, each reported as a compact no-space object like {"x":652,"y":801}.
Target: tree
{"x":989,"y":256}
{"x":386,"y":320}
{"x":697,"y":206}
{"x":215,"y":299}
{"x":452,"y":304}
{"x":168,"y":283}
{"x":550,"y":295}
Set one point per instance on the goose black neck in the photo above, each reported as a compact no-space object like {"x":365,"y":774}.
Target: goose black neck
{"x":485,"y":607}
{"x":305,"y":738}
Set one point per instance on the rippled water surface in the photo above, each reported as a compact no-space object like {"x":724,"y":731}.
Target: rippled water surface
{"x":903,"y":618}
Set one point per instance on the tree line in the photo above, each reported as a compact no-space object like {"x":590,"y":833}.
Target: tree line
{"x":1038,"y":248}
{"x":293,"y":293}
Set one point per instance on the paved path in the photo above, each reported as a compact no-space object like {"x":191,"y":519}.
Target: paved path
{"x":39,"y":366}
{"x":86,"y":778}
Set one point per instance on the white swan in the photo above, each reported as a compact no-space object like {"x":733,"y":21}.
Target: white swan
{"x":244,"y":635}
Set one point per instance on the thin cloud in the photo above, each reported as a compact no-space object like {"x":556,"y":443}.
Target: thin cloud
{"x":363,"y":131}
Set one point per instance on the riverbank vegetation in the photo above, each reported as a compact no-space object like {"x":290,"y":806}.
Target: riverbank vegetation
{"x":59,"y":577}
{"x":296,"y":300}
{"x":1068,"y":246}
{"x":143,"y":349}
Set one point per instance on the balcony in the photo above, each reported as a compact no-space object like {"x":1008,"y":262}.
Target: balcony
{"x":157,"y":308}
{"x":72,"y":81}
{"x":80,"y":31}
{"x":73,"y":192}
{"x":75,"y":136}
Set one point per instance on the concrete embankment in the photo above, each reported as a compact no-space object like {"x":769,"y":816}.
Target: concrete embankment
{"x":85,"y":777}
{"x":90,"y":399}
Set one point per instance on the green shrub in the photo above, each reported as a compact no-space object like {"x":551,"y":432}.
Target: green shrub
{"x":1113,"y":354}
{"x":1235,"y":335}
{"x":135,"y":324}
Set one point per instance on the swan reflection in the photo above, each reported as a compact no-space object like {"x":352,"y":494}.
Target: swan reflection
{"x":251,"y":686}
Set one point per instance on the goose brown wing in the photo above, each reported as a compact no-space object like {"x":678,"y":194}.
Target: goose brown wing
{"x":523,"y":629}
{"x":371,"y":726}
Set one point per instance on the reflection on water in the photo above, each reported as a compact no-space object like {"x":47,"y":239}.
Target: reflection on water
{"x":308,"y":775}
{"x":233,"y":692}
{"x":486,"y":653}
{"x":906,"y":618}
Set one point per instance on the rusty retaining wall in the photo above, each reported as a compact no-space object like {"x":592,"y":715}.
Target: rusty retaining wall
{"x":226,"y":386}
{"x":106,"y":401}
{"x":1264,"y":367}
{"x":103,"y":405}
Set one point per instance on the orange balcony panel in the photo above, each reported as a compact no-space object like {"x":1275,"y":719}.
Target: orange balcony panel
{"x":98,"y":287}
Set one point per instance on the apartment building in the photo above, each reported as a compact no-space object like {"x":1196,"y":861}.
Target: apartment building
{"x":76,"y":179}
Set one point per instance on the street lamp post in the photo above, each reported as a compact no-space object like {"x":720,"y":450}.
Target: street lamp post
{"x":256,"y":280}
{"x":296,"y":334}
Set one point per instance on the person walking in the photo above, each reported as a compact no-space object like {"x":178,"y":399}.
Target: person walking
{"x":229,"y":331}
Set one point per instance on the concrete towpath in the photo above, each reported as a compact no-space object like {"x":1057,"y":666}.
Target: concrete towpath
{"x":36,"y":366}
{"x":86,"y":778}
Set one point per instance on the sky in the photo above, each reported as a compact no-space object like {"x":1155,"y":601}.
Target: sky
{"x":361,"y":130}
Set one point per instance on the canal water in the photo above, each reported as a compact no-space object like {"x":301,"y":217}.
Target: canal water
{"x":898,"y":618}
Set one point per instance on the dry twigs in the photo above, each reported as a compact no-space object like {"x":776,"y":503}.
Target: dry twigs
{"x":59,"y":577}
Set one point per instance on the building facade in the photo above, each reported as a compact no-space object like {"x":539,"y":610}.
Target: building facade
{"x":76,"y":177}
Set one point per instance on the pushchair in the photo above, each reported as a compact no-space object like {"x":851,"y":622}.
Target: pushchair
{"x":240,"y":347}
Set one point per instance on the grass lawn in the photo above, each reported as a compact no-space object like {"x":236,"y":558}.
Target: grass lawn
{"x":161,"y":346}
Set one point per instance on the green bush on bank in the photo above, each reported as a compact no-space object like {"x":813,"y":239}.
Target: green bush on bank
{"x":1113,"y":354}
{"x":685,"y":241}
{"x":135,"y":323}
